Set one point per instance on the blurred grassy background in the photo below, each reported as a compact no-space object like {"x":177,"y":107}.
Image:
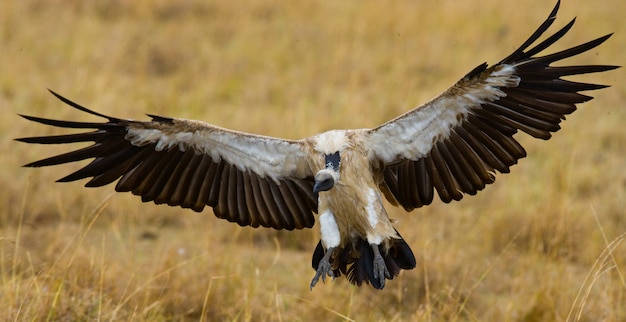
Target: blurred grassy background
{"x":518,"y":252}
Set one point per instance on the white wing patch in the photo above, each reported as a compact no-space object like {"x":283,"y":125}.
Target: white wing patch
{"x":413,"y":134}
{"x":264,"y":156}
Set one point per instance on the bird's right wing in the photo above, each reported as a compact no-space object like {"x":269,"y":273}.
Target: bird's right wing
{"x":455,"y":143}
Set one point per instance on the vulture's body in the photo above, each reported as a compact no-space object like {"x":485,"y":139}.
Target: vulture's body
{"x":453,"y":145}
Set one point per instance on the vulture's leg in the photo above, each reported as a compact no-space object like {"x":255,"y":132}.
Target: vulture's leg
{"x":324,"y":268}
{"x":380,"y":268}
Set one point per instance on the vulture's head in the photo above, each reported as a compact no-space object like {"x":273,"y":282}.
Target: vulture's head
{"x":326,"y":178}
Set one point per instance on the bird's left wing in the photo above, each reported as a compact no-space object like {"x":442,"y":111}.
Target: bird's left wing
{"x":249,"y":179}
{"x":455,"y":143}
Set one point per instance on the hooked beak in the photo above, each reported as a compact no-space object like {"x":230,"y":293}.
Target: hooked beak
{"x":317,"y":187}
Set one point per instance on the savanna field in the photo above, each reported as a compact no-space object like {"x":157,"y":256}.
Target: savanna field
{"x":543,"y":243}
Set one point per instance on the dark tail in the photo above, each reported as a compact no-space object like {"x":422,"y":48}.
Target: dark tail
{"x":356,"y":261}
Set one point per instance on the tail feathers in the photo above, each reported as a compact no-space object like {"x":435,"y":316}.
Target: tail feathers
{"x":356,"y":261}
{"x":402,"y":254}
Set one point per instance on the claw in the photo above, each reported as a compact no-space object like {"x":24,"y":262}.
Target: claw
{"x":324,"y":268}
{"x":380,"y":268}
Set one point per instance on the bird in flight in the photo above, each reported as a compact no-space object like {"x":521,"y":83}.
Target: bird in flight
{"x":452,"y":145}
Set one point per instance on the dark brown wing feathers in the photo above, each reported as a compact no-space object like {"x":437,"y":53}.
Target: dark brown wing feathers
{"x":178,"y":178}
{"x":467,"y":159}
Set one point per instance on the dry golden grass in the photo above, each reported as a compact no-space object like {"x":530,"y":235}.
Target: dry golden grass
{"x":543,"y":243}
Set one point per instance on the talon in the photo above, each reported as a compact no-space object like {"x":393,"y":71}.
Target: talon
{"x":323,"y":269}
{"x":380,"y":268}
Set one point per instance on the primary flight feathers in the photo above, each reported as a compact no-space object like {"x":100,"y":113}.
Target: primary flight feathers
{"x":453,"y":145}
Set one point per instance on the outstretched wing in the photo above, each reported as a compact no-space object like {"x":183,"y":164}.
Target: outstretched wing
{"x":456,"y":142}
{"x":248,"y":179}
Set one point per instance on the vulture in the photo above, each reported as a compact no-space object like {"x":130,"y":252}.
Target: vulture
{"x":450,"y":146}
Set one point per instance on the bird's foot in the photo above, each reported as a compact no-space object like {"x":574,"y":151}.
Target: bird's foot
{"x":324,"y":268}
{"x":380,"y":268}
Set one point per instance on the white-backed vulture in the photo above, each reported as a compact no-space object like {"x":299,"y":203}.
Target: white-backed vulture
{"x":452,"y":145}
